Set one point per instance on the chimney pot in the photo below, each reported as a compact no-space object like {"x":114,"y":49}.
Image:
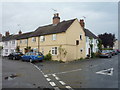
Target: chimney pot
{"x":56,"y":18}
{"x":20,"y":32}
{"x":7,"y":33}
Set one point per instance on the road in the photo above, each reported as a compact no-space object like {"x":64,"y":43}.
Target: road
{"x":27,"y":75}
{"x":91,"y":73}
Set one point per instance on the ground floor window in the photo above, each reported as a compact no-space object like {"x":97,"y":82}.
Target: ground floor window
{"x":54,"y":51}
{"x":12,"y":50}
{"x":6,"y":51}
{"x":42,"y":51}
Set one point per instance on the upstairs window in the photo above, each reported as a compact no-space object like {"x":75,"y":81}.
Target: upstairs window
{"x":6,"y":43}
{"x":80,"y":37}
{"x":20,"y":41}
{"x":42,"y":38}
{"x":13,"y":42}
{"x":25,"y":41}
{"x":54,"y":51}
{"x":54,"y":37}
{"x":33,"y":39}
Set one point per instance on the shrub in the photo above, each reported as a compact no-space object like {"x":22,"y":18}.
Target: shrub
{"x":80,"y":58}
{"x":93,"y":55}
{"x":48,"y":56}
{"x":97,"y":54}
{"x":107,"y":48}
{"x":61,"y":61}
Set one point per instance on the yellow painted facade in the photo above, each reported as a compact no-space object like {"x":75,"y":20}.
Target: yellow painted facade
{"x":66,"y":39}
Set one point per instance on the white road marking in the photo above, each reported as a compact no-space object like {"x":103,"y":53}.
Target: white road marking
{"x":65,"y":72}
{"x":54,"y":75}
{"x":62,"y":82}
{"x":45,"y":75}
{"x":106,"y":72}
{"x":48,"y":79}
{"x":38,"y":68}
{"x":57,"y":78}
{"x":56,"y":88}
{"x":52,"y":84}
{"x":68,"y":87}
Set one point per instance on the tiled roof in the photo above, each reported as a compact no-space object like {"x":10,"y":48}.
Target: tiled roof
{"x":24,"y":35}
{"x":16,"y":37}
{"x":52,"y":29}
{"x":90,"y":34}
{"x":7,"y":38}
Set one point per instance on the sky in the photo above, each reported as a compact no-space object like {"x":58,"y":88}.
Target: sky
{"x":101,"y":17}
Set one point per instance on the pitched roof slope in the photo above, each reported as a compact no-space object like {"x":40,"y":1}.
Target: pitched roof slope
{"x":52,"y":29}
{"x":24,"y":36}
{"x":10,"y":37}
{"x":90,"y":34}
{"x":16,"y":37}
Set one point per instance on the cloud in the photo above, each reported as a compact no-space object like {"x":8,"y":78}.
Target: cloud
{"x":100,"y":17}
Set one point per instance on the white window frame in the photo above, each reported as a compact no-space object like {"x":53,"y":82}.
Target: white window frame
{"x":54,"y":37}
{"x":33,"y":39}
{"x":6,"y":43}
{"x":25,"y":41}
{"x":54,"y":50}
{"x":13,"y":42}
{"x":12,"y":50}
{"x":6,"y":51}
{"x":42,"y":38}
{"x":42,"y":51}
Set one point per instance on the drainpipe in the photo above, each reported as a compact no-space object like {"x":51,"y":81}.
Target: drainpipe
{"x":27,"y":42}
{"x":38,"y":43}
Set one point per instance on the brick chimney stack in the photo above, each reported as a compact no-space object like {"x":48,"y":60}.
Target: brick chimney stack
{"x":56,"y":18}
{"x":82,"y":23}
{"x":20,"y":32}
{"x":7,"y":33}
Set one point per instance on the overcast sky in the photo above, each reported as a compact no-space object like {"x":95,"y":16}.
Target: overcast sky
{"x":101,"y":17}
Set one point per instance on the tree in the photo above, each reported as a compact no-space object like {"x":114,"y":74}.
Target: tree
{"x":27,"y":49}
{"x":91,"y":46}
{"x":108,"y":39}
{"x":99,"y":44}
{"x":17,"y":49}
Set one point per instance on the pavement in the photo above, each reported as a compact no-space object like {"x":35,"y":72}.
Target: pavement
{"x":89,"y":73}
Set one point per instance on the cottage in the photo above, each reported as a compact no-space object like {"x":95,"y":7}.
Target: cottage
{"x":67,"y":35}
{"x":90,"y":39}
{"x":9,"y":44}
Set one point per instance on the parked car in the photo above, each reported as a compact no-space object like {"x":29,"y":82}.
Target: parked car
{"x":116,"y":52}
{"x":112,"y":52}
{"x":33,"y":56}
{"x":15,"y":55}
{"x":106,"y":53}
